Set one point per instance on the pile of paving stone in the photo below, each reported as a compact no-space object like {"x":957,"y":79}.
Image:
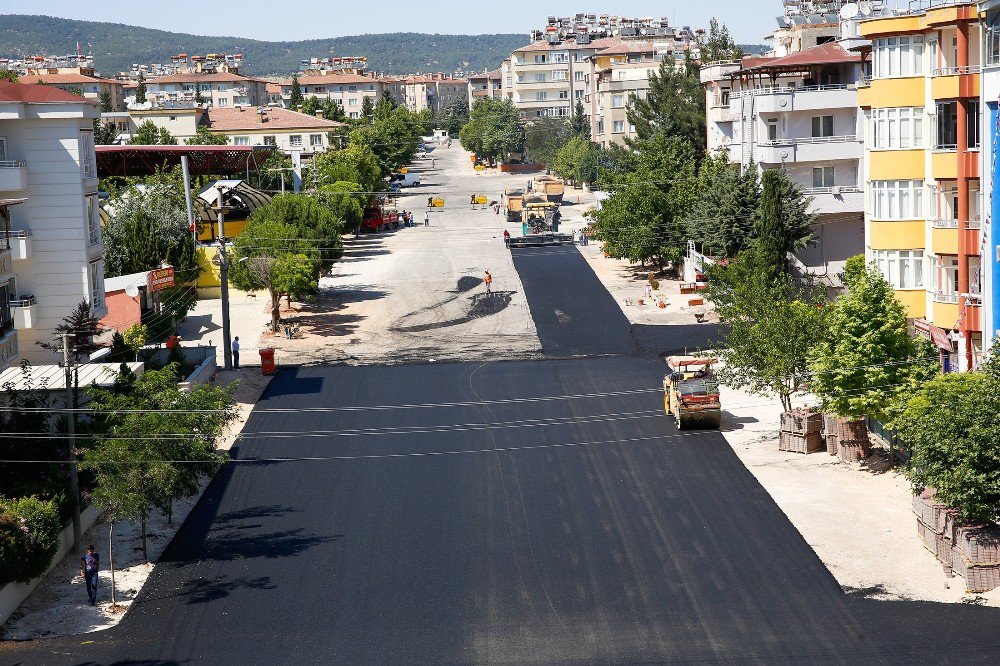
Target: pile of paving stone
{"x":846,"y":437}
{"x":801,"y":431}
{"x":971,"y":550}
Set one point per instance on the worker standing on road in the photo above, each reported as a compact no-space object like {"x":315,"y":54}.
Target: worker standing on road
{"x":506,"y":238}
{"x":488,"y":280}
{"x":427,"y":218}
{"x":236,"y":353}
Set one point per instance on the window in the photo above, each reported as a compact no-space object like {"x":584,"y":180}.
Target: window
{"x":541,"y":96}
{"x":563,"y":94}
{"x":945,"y":276}
{"x":540,"y":77}
{"x":897,"y":128}
{"x":896,"y":199}
{"x":560,"y":75}
{"x":223,"y":101}
{"x":3,"y":149}
{"x":822,"y":126}
{"x":897,"y":56}
{"x":540,"y":59}
{"x":617,"y":126}
{"x":87,"y":159}
{"x":772,"y":129}
{"x":355,"y":115}
{"x":352,"y":89}
{"x":579,"y":93}
{"x":902,"y":269}
{"x":295,"y":140}
{"x":352,"y":101}
{"x":316,"y":140}
{"x":339,"y":101}
{"x":947,"y":125}
{"x":993,"y":37}
{"x":93,"y":220}
{"x":270,"y":141}
{"x":972,"y":124}
{"x":96,"y":273}
{"x":241,"y":141}
{"x":578,"y":75}
{"x":561,"y":56}
{"x":823,"y":176}
{"x":617,"y":101}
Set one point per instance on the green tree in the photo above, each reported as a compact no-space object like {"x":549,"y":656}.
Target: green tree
{"x":674,"y":105}
{"x":140,"y":90}
{"x":952,"y":424}
{"x":719,"y":45}
{"x":544,"y":137}
{"x":104,"y":99}
{"x":580,"y":124}
{"x":81,"y":327}
{"x":722,"y":218}
{"x":356,"y":163}
{"x":367,"y":108}
{"x":333,"y":111}
{"x":454,"y":117}
{"x":204,"y":137}
{"x":424,"y":121}
{"x":651,"y":194}
{"x":867,"y":364}
{"x":8,"y":75}
{"x":148,"y":134}
{"x":494,"y":129}
{"x":295,"y":99}
{"x":344,"y":201}
{"x":135,"y":337}
{"x":578,"y":160}
{"x":392,"y":136}
{"x":771,"y":326}
{"x":783,"y":221}
{"x":104,"y":133}
{"x":29,"y":538}
{"x":310,"y":106}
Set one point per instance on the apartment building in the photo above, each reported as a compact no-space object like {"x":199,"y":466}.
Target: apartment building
{"x":289,"y":130}
{"x":923,"y":129}
{"x":347,"y":90}
{"x":88,"y":85}
{"x":617,"y":74}
{"x":799,"y":111}
{"x":989,"y":170}
{"x":546,"y":78}
{"x":219,"y":89}
{"x":419,"y":92}
{"x":50,"y":238}
{"x":486,"y":85}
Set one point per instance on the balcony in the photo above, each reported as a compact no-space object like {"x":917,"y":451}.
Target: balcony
{"x":24,"y":311}
{"x":941,"y":297}
{"x":782,"y":99}
{"x":8,"y":342}
{"x":20,"y":244}
{"x":837,"y":199}
{"x":13,"y":176}
{"x":810,"y":149}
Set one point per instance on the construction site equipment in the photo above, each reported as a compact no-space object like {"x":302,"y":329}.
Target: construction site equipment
{"x":376,"y":217}
{"x":552,"y":187}
{"x":691,"y":393}
{"x":539,"y":223}
{"x":515,"y":203}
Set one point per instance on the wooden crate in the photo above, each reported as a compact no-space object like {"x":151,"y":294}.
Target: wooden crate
{"x":799,"y":443}
{"x":802,"y":421}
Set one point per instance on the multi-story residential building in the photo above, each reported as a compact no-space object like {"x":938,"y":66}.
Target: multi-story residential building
{"x":923,"y":216}
{"x":347,"y":90}
{"x":485,"y":85}
{"x":220,"y":89}
{"x":8,"y":335}
{"x":547,"y":77}
{"x":419,"y":92}
{"x":88,"y":85}
{"x":51,"y":237}
{"x":989,"y":169}
{"x":799,"y":112}
{"x":617,"y":74}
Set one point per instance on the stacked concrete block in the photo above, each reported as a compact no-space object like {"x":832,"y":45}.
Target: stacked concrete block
{"x":801,"y":431}
{"x":852,"y":439}
{"x":830,"y":433}
{"x":970,"y":550}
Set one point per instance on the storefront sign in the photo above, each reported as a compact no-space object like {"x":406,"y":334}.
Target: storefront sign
{"x":161,"y":278}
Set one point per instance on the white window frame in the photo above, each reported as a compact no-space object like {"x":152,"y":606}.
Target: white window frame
{"x":896,"y":128}
{"x":897,"y":57}
{"x":902,"y":269}
{"x":88,"y":160}
{"x":95,"y":275}
{"x":824,"y":176}
{"x":241,"y":141}
{"x":896,"y":200}
{"x":316,"y":140}
{"x":617,"y":126}
{"x":295,"y":140}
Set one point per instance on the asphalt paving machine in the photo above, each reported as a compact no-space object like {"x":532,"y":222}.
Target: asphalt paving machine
{"x":691,"y":392}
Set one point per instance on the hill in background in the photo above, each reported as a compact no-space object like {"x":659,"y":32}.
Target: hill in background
{"x":116,"y":47}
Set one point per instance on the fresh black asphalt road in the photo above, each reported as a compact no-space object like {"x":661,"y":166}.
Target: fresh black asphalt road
{"x":526,"y":512}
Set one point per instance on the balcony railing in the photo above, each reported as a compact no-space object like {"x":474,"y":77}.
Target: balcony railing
{"x":778,"y":89}
{"x":23,"y":302}
{"x":846,"y":138}
{"x":975,"y":224}
{"x":945,"y":224}
{"x":941,"y":297}
{"x":12,"y":164}
{"x":835,"y":189}
{"x":953,"y":71}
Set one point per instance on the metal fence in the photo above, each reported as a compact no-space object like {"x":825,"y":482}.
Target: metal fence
{"x":877,"y":428}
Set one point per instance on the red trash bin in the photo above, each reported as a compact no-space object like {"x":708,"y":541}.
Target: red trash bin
{"x":267,"y":360}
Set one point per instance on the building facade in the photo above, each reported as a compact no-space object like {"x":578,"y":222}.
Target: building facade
{"x":617,"y":74}
{"x":50,"y":217}
{"x":486,"y":85}
{"x":88,"y":85}
{"x":221,"y":89}
{"x":347,"y":90}
{"x":923,"y":200}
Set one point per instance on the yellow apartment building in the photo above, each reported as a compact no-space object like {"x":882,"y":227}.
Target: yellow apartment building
{"x":922,"y":209}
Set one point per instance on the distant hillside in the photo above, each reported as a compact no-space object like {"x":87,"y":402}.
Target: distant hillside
{"x":755,"y":49}
{"x":116,"y":47}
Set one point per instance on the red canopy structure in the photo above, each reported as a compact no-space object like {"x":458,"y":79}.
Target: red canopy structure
{"x":202,"y":160}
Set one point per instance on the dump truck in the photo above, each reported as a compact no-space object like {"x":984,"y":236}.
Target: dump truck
{"x":552,"y":187}
{"x":691,"y":392}
{"x":515,"y":203}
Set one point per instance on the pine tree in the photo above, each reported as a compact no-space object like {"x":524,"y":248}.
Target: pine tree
{"x":719,"y":44}
{"x":295,"y":100}
{"x":82,"y":327}
{"x":783,"y":223}
{"x":367,"y":107}
{"x":104,"y":98}
{"x":674,"y":106}
{"x":140,"y":91}
{"x":580,"y":125}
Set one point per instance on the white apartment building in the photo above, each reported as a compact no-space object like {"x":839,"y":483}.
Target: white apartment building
{"x":347,"y":90}
{"x":289,"y":130}
{"x":220,"y":89}
{"x":799,"y":112}
{"x":486,"y":85}
{"x":617,"y":74}
{"x":419,"y":92}
{"x":546,"y":78}
{"x":50,"y":237}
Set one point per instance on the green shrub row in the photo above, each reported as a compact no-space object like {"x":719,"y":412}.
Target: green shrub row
{"x":29,"y":538}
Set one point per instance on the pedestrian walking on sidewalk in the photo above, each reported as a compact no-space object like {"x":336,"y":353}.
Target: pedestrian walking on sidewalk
{"x":90,"y":566}
{"x":236,"y":353}
{"x":506,"y":238}
{"x":488,"y":280}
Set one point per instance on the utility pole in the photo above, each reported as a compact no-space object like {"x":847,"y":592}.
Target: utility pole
{"x":227,"y":341}
{"x":74,"y":481}
{"x":187,"y":198}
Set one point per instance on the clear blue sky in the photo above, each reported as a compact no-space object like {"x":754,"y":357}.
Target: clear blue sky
{"x":749,"y":20}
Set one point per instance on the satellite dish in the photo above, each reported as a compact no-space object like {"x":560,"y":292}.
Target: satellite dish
{"x":132,"y":291}
{"x":849,"y":11}
{"x":865,"y":7}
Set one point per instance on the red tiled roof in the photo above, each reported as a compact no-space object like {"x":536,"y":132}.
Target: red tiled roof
{"x":570,"y":45}
{"x":332,"y":79}
{"x":234,"y":120}
{"x":36,"y":94}
{"x":64,"y":79}
{"x":830,"y":53}
{"x":625,"y":47}
{"x":196,"y":78}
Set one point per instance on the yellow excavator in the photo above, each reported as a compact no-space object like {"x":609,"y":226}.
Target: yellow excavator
{"x":691,"y":392}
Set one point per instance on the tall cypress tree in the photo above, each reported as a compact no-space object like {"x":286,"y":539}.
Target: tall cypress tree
{"x":140,"y":91}
{"x":580,"y":125}
{"x":295,"y":100}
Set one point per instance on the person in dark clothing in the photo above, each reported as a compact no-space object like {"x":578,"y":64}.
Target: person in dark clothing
{"x":90,"y":565}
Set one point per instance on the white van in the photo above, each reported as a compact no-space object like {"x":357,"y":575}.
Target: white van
{"x":406,"y":179}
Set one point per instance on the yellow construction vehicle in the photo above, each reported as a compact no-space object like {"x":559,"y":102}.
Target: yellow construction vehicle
{"x":691,"y":392}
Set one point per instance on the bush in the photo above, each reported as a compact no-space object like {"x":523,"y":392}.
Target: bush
{"x":29,"y":538}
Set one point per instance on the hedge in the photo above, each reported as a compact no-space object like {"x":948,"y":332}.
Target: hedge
{"x":29,"y":538}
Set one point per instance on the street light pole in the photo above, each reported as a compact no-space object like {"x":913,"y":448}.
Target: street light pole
{"x":74,"y":480}
{"x":227,"y":342}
